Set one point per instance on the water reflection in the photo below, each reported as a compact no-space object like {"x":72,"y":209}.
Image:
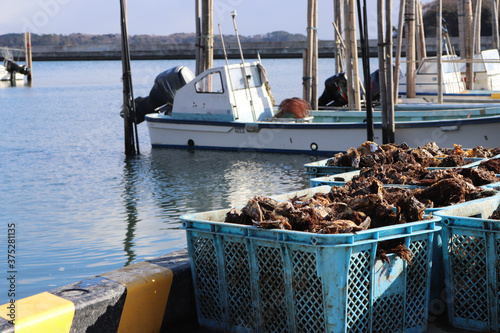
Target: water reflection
{"x":130,"y":205}
{"x":188,"y":181}
{"x":15,"y":83}
{"x":159,"y":186}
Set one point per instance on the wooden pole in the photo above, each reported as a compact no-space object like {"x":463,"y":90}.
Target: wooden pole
{"x":381,"y":66}
{"x":478,"y":26}
{"x":309,"y":60}
{"x":348,"y":56}
{"x":469,"y":68}
{"x":389,"y":72}
{"x":28,"y":58}
{"x":399,"y":43}
{"x":363,"y":35}
{"x":461,"y":27}
{"x":128,"y":96}
{"x":304,"y":73}
{"x":338,"y":22}
{"x":354,"y":55}
{"x":494,"y":25}
{"x":410,"y":49}
{"x":421,"y":48}
{"x":314,"y":72}
{"x":340,"y":46}
{"x":476,"y":36}
{"x":199,"y":42}
{"x":207,"y":34}
{"x":439,"y":49}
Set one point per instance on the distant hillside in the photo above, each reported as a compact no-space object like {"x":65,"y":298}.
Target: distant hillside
{"x":17,"y":40}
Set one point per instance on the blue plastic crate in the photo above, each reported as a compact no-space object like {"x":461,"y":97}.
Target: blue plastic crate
{"x":471,"y":250}
{"x":320,"y":168}
{"x":334,"y":180}
{"x":248,"y":279}
{"x":342,"y":178}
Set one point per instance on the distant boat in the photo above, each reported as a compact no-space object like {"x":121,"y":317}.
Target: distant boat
{"x":486,"y":79}
{"x":11,"y":68}
{"x":229,"y":108}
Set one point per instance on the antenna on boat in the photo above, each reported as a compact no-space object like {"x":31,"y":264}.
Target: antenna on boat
{"x":228,"y":71}
{"x":245,"y":77}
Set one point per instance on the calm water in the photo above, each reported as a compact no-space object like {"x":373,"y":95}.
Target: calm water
{"x":80,"y":207}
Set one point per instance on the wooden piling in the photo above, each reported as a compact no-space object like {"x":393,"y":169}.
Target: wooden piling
{"x":307,"y":79}
{"x":494,"y":25}
{"x":130,"y":127}
{"x":476,"y":28}
{"x":348,"y":57}
{"x":305,"y":84}
{"x":399,"y":43}
{"x":421,"y":47}
{"x":389,"y":73}
{"x":338,"y":23}
{"x":461,"y":27}
{"x":363,"y":35}
{"x":469,"y":67}
{"x":198,"y":43}
{"x":354,"y":55}
{"x":410,"y":49}
{"x":314,"y":72}
{"x":207,"y":8}
{"x":381,"y":65}
{"x":439,"y":49}
{"x":28,"y":57}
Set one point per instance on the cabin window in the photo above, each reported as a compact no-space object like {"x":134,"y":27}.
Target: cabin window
{"x":427,"y":67}
{"x":253,"y":77}
{"x":210,"y":83}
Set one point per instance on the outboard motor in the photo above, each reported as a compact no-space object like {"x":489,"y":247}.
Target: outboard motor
{"x":163,"y":92}
{"x":335,"y":93}
{"x":375,"y":81}
{"x":13,"y":67}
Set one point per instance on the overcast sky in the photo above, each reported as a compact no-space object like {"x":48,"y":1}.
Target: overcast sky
{"x":163,"y":17}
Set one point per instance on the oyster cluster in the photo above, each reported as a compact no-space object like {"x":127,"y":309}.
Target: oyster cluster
{"x":361,"y":204}
{"x":370,"y":154}
{"x":492,"y":165}
{"x":496,"y":214}
{"x":416,"y":174}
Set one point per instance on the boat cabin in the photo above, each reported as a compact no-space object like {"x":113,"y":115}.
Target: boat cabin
{"x":229,"y":93}
{"x":426,"y":77}
{"x":486,"y":70}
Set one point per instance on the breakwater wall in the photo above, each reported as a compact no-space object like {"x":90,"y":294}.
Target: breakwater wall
{"x":150,"y":296}
{"x":326,"y":49}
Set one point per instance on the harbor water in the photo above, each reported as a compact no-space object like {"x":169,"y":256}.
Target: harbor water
{"x":75,"y":207}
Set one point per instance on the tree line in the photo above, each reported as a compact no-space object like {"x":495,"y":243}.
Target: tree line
{"x":450,"y":18}
{"x":76,"y":39}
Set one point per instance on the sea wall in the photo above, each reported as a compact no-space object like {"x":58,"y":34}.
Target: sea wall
{"x":151,"y":296}
{"x":326,"y":49}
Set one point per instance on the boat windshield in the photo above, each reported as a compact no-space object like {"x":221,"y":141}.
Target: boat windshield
{"x":252,"y":74}
{"x":429,"y":66}
{"x":491,"y":61}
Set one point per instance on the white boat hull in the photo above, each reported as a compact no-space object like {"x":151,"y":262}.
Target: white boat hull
{"x":315,"y":138}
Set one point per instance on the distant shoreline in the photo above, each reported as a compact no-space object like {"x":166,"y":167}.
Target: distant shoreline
{"x":283,"y":49}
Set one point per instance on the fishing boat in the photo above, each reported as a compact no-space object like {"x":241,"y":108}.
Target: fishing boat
{"x":486,"y":80}
{"x":229,"y":108}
